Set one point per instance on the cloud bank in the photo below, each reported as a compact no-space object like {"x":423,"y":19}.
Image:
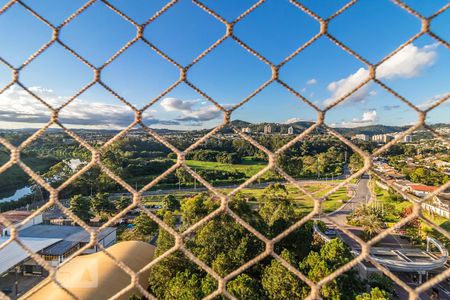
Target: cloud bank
{"x":409,"y":62}
{"x":189,"y":112}
{"x":17,"y":105}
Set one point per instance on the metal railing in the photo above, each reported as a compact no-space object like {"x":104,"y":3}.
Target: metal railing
{"x":315,"y":287}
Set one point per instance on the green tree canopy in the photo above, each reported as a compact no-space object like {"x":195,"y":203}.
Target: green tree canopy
{"x":80,"y":206}
{"x":279,"y":283}
{"x":100,"y":203}
{"x":170,"y":203}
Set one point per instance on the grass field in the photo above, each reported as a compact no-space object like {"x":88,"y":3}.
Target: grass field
{"x":391,"y":208}
{"x":438,"y":220}
{"x":304,"y":203}
{"x":248,"y":166}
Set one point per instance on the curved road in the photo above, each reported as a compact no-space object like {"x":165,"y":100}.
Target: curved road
{"x":363,"y":195}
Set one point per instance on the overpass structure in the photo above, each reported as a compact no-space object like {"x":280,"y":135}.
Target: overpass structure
{"x":403,"y":259}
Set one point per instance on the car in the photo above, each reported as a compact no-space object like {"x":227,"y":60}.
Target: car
{"x":330,"y":232}
{"x":7,"y":290}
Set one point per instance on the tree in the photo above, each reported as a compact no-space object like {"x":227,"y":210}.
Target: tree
{"x":372,"y":225}
{"x":80,"y":206}
{"x":245,"y":287}
{"x":100,"y":203}
{"x":224,"y":244}
{"x":144,"y":225}
{"x":276,"y":210}
{"x":58,"y":173}
{"x":170,"y":203}
{"x":382,"y":282}
{"x":183,"y":176}
{"x":165,"y":240}
{"x":123,"y":203}
{"x":279,"y":283}
{"x":370,"y":218}
{"x":291,"y":164}
{"x":185,"y":285}
{"x":318,"y":265}
{"x":228,"y":158}
{"x":196,"y":207}
{"x":394,"y":196}
{"x":356,"y":162}
{"x":375,"y":294}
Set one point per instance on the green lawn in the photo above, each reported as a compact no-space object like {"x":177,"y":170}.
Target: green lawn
{"x":438,"y":220}
{"x":304,"y":203}
{"x":248,"y":167}
{"x":392,"y":208}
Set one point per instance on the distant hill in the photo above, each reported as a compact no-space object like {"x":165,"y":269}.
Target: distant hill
{"x":371,"y":129}
{"x":299,"y":127}
{"x":303,"y":125}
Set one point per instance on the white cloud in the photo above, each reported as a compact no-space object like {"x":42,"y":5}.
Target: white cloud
{"x":367,"y":118}
{"x":188,"y":112}
{"x":18,"y":106}
{"x":311,"y":81}
{"x":429,"y":102}
{"x":408,"y":62}
{"x":173,"y":104}
{"x":343,"y":86}
{"x":293,"y":120}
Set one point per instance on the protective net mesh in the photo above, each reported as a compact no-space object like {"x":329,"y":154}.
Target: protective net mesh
{"x":315,"y":287}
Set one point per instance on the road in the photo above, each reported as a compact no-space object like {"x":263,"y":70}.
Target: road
{"x":362,"y":196}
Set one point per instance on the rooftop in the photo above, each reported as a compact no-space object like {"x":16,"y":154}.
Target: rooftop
{"x":423,"y":188}
{"x":59,"y":248}
{"x":12,"y":254}
{"x":16,"y":215}
{"x":68,"y":233}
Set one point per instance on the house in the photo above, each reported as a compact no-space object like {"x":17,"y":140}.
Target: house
{"x":421,"y":190}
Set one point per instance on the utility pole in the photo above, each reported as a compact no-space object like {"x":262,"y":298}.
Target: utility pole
{"x":318,"y":171}
{"x":195,"y":180}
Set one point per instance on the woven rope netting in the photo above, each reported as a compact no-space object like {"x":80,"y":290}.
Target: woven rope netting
{"x":15,"y":151}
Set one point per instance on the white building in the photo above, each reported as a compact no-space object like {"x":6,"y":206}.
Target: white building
{"x":382,"y":138}
{"x":69,"y":240}
{"x":362,"y":137}
{"x":291,"y":130}
{"x":246,"y":130}
{"x":407,"y":138}
{"x":267,"y":129}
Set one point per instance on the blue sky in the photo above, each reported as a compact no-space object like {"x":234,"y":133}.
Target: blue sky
{"x":322,"y":72}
